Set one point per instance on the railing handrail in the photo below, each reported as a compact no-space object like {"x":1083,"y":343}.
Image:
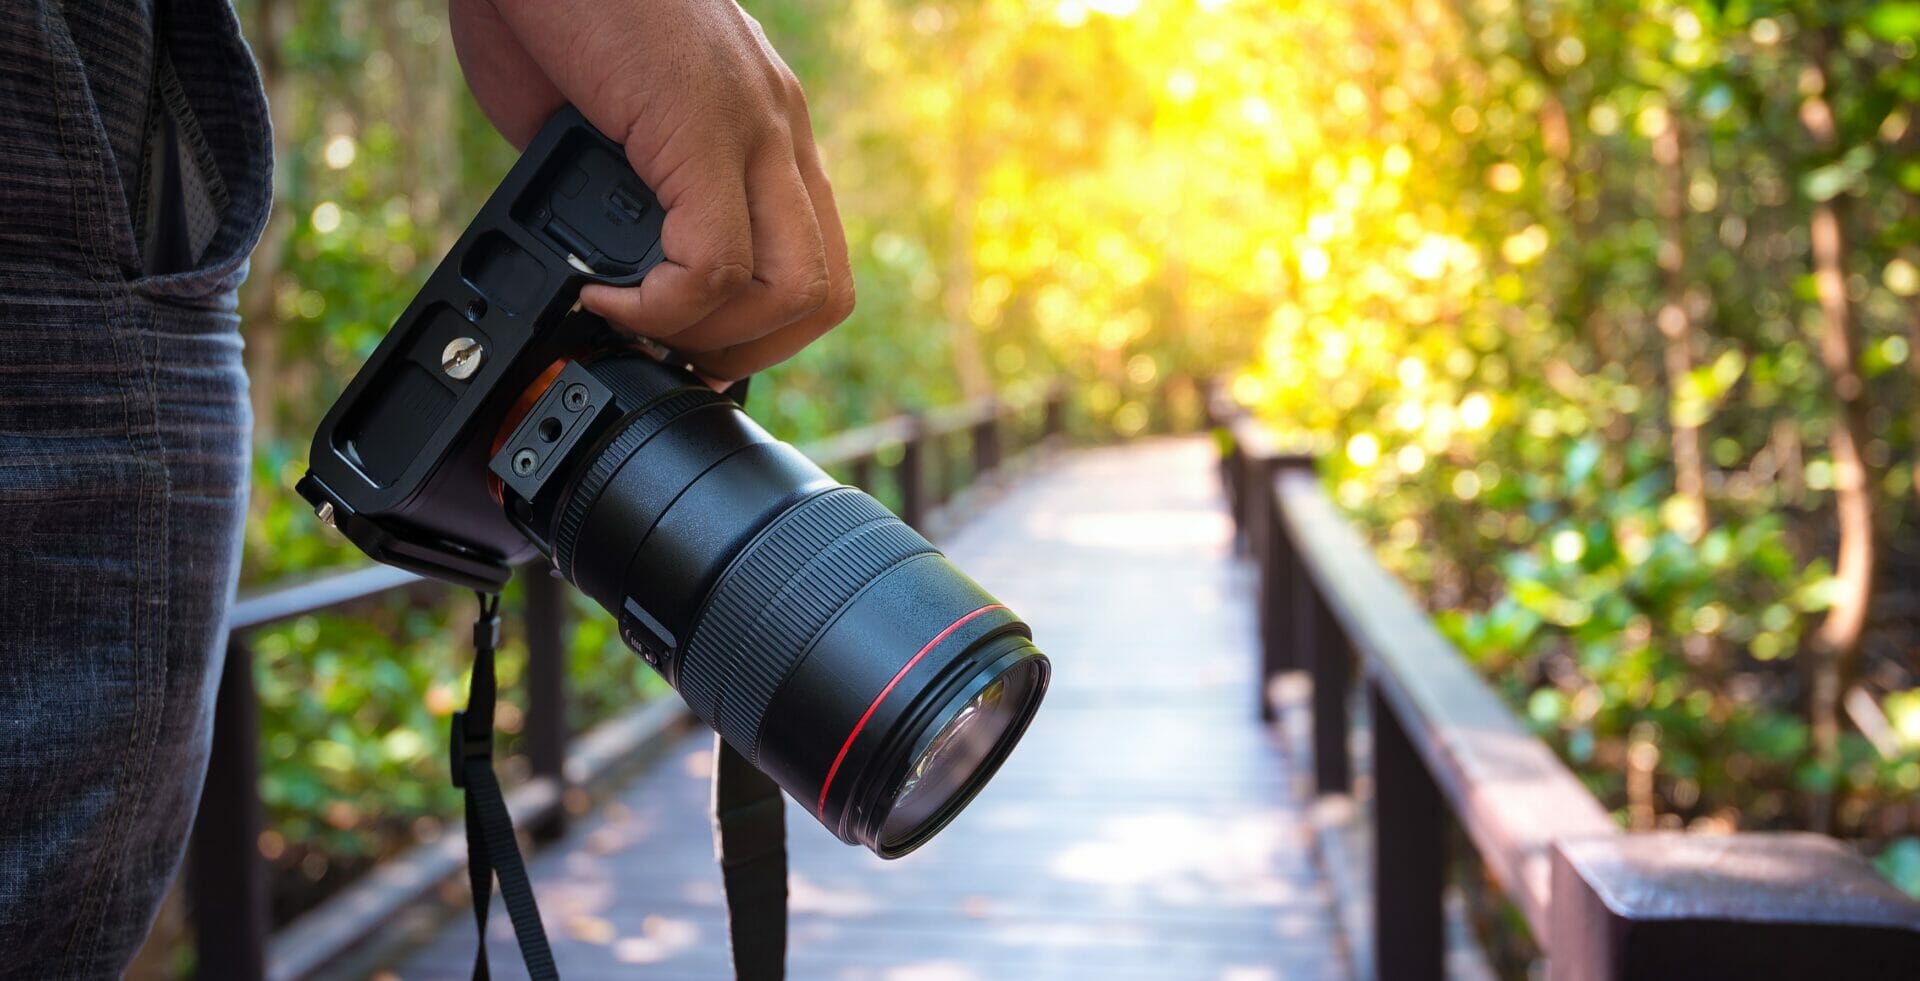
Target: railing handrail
{"x":1601,"y":903}
{"x":320,"y":594}
{"x":1514,"y":796}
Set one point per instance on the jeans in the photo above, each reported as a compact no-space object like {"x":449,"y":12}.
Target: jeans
{"x":123,"y":459}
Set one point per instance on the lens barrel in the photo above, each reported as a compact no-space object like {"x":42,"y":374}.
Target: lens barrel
{"x":825,"y":640}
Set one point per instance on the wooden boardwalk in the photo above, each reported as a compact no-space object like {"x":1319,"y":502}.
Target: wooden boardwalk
{"x":1147,"y":827}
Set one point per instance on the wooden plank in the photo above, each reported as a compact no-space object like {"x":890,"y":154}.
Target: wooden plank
{"x":1508,"y":790}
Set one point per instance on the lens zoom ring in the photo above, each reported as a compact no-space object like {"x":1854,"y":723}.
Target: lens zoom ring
{"x":635,"y":431}
{"x":780,"y":594}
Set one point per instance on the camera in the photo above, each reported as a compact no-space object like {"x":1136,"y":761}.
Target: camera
{"x":830,"y":644}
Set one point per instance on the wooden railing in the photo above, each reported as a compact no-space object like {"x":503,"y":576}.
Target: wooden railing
{"x":1598,"y":902}
{"x":226,"y":876}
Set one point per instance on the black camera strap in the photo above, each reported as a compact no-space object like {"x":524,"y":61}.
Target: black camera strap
{"x":491,"y":848}
{"x":749,"y":837}
{"x":750,"y":840}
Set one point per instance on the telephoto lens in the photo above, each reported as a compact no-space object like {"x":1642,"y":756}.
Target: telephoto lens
{"x":826,"y":641}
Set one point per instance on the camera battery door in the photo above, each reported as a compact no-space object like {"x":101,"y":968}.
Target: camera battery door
{"x":588,"y":206}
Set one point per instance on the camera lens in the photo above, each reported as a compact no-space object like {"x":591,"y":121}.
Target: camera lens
{"x":828,"y":642}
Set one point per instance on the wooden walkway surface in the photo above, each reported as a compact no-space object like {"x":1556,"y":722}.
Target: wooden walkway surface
{"x":1147,"y":827}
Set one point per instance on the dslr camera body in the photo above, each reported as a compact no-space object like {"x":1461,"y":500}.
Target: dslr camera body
{"x":828,"y":643}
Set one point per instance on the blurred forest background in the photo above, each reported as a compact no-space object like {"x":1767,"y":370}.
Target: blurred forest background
{"x":1600,"y":314}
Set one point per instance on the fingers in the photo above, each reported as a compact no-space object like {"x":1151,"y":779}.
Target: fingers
{"x":755,"y":260}
{"x":833,"y":237}
{"x":789,"y":279}
{"x":743,"y":359}
{"x":707,"y":239}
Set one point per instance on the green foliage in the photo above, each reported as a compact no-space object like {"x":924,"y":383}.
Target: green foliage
{"x":1900,"y":863}
{"x":1567,"y":361}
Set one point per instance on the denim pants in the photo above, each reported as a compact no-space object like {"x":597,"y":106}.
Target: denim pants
{"x":123,"y":456}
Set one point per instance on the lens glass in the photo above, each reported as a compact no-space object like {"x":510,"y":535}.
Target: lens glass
{"x":960,"y":755}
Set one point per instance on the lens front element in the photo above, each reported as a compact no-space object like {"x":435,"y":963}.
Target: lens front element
{"x":956,"y":761}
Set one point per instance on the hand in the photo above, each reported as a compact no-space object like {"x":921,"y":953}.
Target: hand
{"x":711,"y":118}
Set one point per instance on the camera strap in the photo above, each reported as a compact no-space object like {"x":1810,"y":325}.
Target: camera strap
{"x":749,"y":837}
{"x":491,"y":848}
{"x":750,"y":841}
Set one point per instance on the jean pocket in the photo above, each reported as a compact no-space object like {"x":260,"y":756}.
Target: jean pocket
{"x":226,"y":142}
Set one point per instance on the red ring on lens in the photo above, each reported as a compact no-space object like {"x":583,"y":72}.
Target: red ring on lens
{"x":884,"y":692}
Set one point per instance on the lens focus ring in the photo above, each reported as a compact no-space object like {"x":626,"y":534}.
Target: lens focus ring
{"x":786,"y":586}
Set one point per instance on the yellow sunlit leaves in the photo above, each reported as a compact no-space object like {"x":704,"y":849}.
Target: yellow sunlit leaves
{"x":1139,"y":190}
{"x":1525,"y":246}
{"x":1182,"y":85}
{"x":1396,"y":161}
{"x":1114,"y":8}
{"x":1314,"y":263}
{"x":1363,"y":449}
{"x":1505,"y":177}
{"x":1431,"y":258}
{"x":1476,"y":410}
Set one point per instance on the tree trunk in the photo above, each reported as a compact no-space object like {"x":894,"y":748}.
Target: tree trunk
{"x":1835,"y":646}
{"x":1676,"y":325}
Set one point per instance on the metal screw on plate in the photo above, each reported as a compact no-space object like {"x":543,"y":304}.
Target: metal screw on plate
{"x":461,"y":358}
{"x":325,"y":513}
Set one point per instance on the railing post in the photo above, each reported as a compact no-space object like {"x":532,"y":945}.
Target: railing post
{"x":1330,"y":659}
{"x":936,"y":464}
{"x":226,"y":878}
{"x":862,"y":468}
{"x":1273,"y":557}
{"x":1233,"y":472}
{"x":1053,"y":421}
{"x":986,"y":441}
{"x":1318,"y":645}
{"x":1409,"y":853}
{"x":912,"y":475}
{"x":546,"y":725}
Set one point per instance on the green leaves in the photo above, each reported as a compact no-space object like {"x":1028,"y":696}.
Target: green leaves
{"x":1703,"y":389}
{"x":1843,"y":176}
{"x":1894,"y":20}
